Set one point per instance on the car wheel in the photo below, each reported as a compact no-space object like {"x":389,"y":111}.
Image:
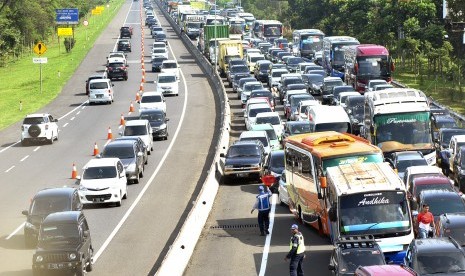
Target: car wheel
{"x":29,"y":241}
{"x":146,"y":161}
{"x":137,"y":180}
{"x":166,"y":137}
{"x":56,"y":137}
{"x":281,"y":202}
{"x":90,"y":265}
{"x":118,"y":203}
{"x":148,"y":152}
{"x":50,"y":141}
{"x":80,"y":271}
{"x":24,"y":142}
{"x":141,"y":172}
{"x":126,"y":194}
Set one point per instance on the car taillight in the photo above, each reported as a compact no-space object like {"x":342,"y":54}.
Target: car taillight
{"x":124,"y":67}
{"x":109,"y":92}
{"x":110,"y":69}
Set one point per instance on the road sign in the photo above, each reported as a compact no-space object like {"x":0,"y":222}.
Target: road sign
{"x":65,"y":31}
{"x":85,"y":23}
{"x":96,"y":12}
{"x":40,"y":60}
{"x":67,"y":16}
{"x":40,"y":48}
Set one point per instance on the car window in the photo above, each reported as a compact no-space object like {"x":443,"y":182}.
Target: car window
{"x":47,"y":205}
{"x":33,"y":120}
{"x":151,"y":99}
{"x":98,"y":85}
{"x":135,"y":130}
{"x":243,"y":150}
{"x":166,"y":79}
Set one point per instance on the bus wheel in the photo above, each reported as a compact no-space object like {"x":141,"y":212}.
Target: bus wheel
{"x":320,"y":226}
{"x":301,"y":217}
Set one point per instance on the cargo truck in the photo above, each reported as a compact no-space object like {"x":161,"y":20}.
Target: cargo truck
{"x":229,"y":49}
{"x":192,"y":25}
{"x":208,"y":34}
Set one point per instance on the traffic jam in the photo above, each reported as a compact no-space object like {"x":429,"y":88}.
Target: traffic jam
{"x":376,"y":167}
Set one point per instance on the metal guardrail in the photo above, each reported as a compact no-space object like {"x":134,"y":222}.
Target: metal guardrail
{"x":458,"y":117}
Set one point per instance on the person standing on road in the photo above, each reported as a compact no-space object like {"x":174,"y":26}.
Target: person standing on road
{"x":296,"y":252}
{"x":425,"y":218}
{"x":262,"y":203}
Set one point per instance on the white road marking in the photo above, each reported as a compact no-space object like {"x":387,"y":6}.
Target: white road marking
{"x":9,"y":169}
{"x":65,"y":125}
{"x":24,"y":158}
{"x":149,"y":182}
{"x":266,"y":248}
{"x":77,"y":113}
{"x":16,"y":230}
{"x":106,"y":143}
{"x":36,"y":149}
{"x":72,"y":118}
{"x":83,"y":107}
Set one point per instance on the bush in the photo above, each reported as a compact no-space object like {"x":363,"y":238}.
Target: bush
{"x":69,"y":43}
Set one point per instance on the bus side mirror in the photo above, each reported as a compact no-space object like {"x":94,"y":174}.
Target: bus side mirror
{"x":323,"y":182}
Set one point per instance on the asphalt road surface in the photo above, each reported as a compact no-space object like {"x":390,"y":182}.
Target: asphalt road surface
{"x":132,"y":239}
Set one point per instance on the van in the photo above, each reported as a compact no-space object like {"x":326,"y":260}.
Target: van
{"x":101,"y":91}
{"x":139,"y":128}
{"x":384,"y":270}
{"x":326,"y":118}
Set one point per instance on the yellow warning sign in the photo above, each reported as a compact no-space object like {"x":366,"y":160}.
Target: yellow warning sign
{"x":65,"y":31}
{"x":40,"y":48}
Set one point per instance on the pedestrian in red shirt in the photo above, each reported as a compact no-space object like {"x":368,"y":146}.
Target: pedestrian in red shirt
{"x":425,"y":219}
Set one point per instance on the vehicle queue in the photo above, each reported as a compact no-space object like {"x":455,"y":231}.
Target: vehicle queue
{"x":355,"y":152}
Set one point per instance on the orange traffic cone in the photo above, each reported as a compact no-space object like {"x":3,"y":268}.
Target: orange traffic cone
{"x":121,"y":121}
{"x":131,"y":108}
{"x":74,"y":172}
{"x":141,"y":87}
{"x":95,"y":149}
{"x":143,"y":73}
{"x":109,"y":135}
{"x":137,"y":97}
{"x":143,"y":78}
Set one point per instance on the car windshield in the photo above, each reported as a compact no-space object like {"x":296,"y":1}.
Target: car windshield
{"x":315,"y":78}
{"x":271,"y":134}
{"x":339,"y":127}
{"x":264,"y":67}
{"x":261,"y":94}
{"x":296,"y":100}
{"x":151,"y":99}
{"x":135,"y":130}
{"x":257,"y":58}
{"x":33,"y":120}
{"x":351,"y":259}
{"x":423,"y":187}
{"x":166,"y":79}
{"x":159,"y":59}
{"x":98,"y":85}
{"x":170,"y":65}
{"x":294,"y":61}
{"x":152,"y":117}
{"x":277,"y":160}
{"x":250,"y":87}
{"x":440,"y":262}
{"x":239,"y":68}
{"x":48,"y":205}
{"x":260,"y":138}
{"x":277,"y":74}
{"x":119,"y":152}
{"x":58,"y":233}
{"x":402,"y":165}
{"x":99,"y":172}
{"x":253,"y":112}
{"x":299,"y":128}
{"x":441,"y":205}
{"x":243,"y":150}
{"x":274,"y":120}
{"x":289,"y":81}
{"x":358,"y":112}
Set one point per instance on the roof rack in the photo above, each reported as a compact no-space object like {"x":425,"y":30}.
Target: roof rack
{"x":364,"y":241}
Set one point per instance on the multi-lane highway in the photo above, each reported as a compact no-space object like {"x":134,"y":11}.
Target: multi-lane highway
{"x":132,"y":239}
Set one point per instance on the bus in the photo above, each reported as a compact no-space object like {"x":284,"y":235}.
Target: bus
{"x":333,"y":54}
{"x":398,"y":119}
{"x":307,"y":42}
{"x":236,"y":25}
{"x":365,"y":62}
{"x":268,"y":29}
{"x":369,"y":199}
{"x":307,"y":157}
{"x":249,"y":20}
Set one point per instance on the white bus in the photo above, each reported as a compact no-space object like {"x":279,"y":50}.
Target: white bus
{"x":268,"y":29}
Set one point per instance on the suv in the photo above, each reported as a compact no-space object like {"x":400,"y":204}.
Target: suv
{"x":64,"y":245}
{"x":117,"y":68}
{"x":101,"y":91}
{"x":125,"y":32}
{"x":435,"y":256}
{"x":124,"y":45}
{"x":353,"y":251}
{"x":45,"y":202}
{"x":39,"y":127}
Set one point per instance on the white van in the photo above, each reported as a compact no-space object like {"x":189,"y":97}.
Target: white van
{"x":101,"y":91}
{"x":326,"y":118}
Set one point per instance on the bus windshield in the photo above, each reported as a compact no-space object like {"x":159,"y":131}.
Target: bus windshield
{"x":361,"y":158}
{"x":311,"y":42}
{"x":375,"y":213}
{"x":403,"y":130}
{"x":374,"y":67}
{"x":272,"y":30}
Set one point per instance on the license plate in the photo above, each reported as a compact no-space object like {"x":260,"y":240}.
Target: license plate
{"x":99,"y":96}
{"x":242,"y":174}
{"x":97,"y":199}
{"x":55,"y":266}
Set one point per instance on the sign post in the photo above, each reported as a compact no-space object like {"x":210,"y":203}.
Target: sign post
{"x":40,"y":49}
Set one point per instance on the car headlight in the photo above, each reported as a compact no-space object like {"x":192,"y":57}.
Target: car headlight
{"x":131,"y":167}
{"x":72,"y":256}
{"x":163,"y":126}
{"x":82,"y":188}
{"x":39,"y":258}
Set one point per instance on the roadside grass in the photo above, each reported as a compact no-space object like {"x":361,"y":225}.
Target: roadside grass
{"x":442,"y":91}
{"x":20,"y":81}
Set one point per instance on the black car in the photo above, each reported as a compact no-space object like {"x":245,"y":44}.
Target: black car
{"x":117,"y":70}
{"x":243,"y":159}
{"x":292,"y":64}
{"x":286,"y":82}
{"x":124,"y":45}
{"x":237,"y":78}
{"x":141,"y":147}
{"x":441,"y":121}
{"x":295,"y":127}
{"x":161,"y":37}
{"x":45,"y":202}
{"x":157,"y":62}
{"x":458,"y":174}
{"x":158,"y":122}
{"x":452,"y":225}
{"x":64,"y":245}
{"x":351,"y":252}
{"x":150,"y":22}
{"x":356,"y":114}
{"x":313,"y":83}
{"x":274,"y":165}
{"x":261,"y":70}
{"x":236,"y":69}
{"x":125,"y":32}
{"x":338,"y":90}
{"x":130,"y":155}
{"x":438,"y":256}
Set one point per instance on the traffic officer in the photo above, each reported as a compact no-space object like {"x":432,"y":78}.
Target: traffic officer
{"x":296,"y":252}
{"x":262,"y":203}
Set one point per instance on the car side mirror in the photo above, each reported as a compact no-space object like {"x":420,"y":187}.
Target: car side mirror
{"x":167,"y":119}
{"x":221,"y":154}
{"x":331,"y":267}
{"x":112,"y":84}
{"x":25,"y":212}
{"x":56,"y":120}
{"x":86,"y":233}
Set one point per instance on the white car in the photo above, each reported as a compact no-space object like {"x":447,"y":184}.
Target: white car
{"x":159,"y":52}
{"x":301,"y":116}
{"x":259,"y":135}
{"x":371,"y":84}
{"x":152,"y":100}
{"x":101,"y":91}
{"x":275,"y":77}
{"x":39,"y":127}
{"x":167,"y":84}
{"x":283,"y":194}
{"x":343,"y":96}
{"x":247,"y":88}
{"x":139,"y":128}
{"x":103,"y":180}
{"x":118,"y":55}
{"x":252,"y":111}
{"x":170,"y":66}
{"x":272,"y":118}
{"x":159,"y":45}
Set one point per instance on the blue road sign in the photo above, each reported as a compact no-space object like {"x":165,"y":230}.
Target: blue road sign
{"x":67,"y":16}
